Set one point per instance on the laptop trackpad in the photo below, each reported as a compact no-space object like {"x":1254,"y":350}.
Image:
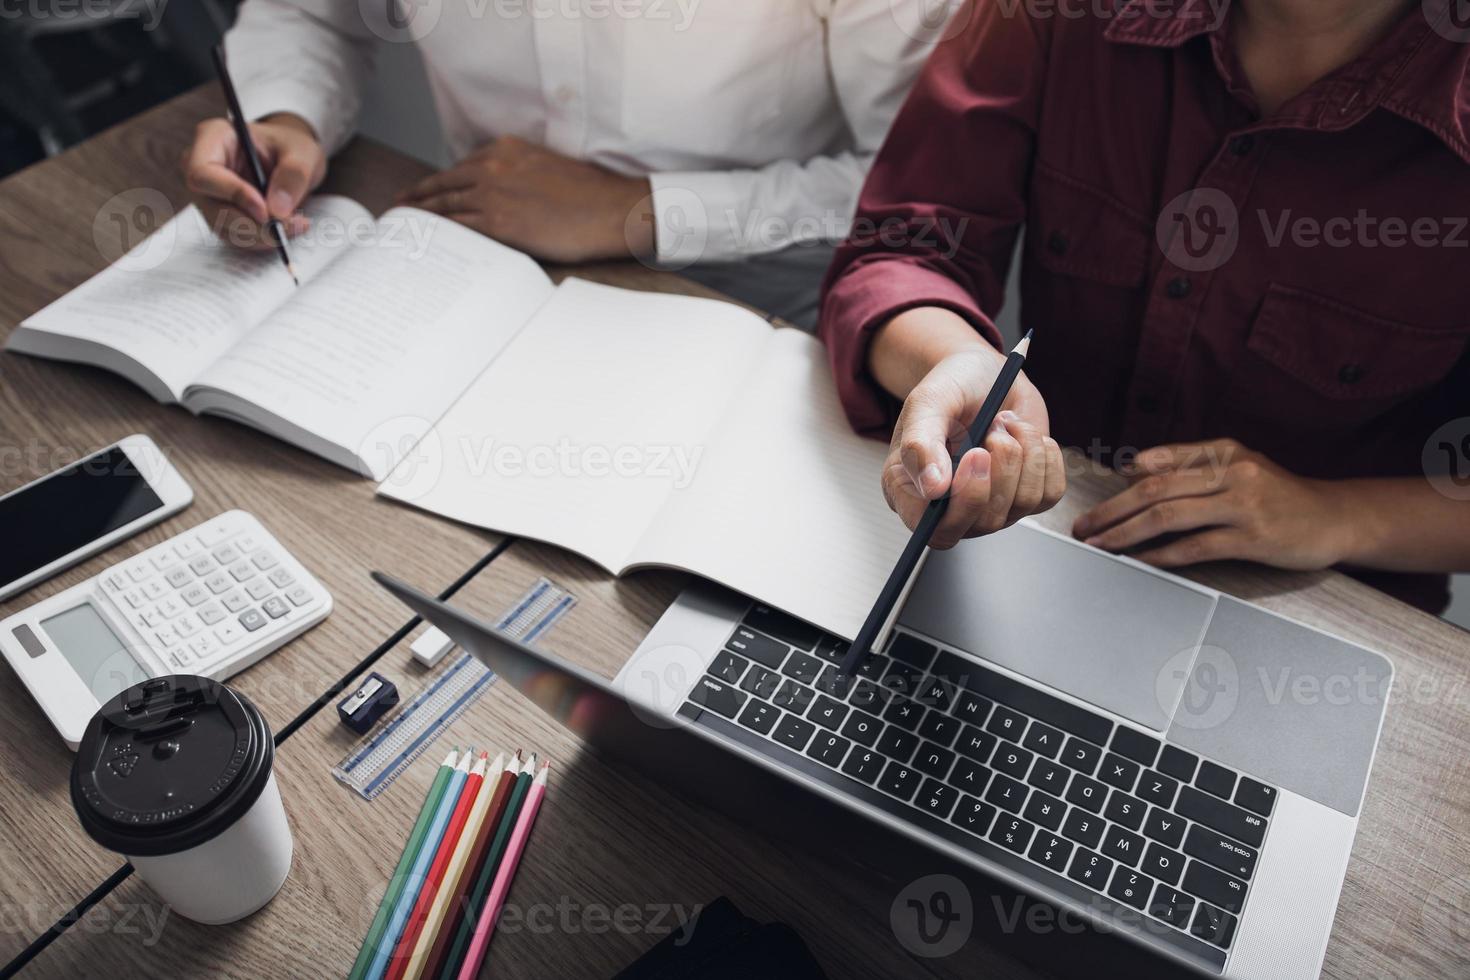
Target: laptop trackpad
{"x":1100,"y":629}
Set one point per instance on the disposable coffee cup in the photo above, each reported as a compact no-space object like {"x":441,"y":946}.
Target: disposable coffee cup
{"x":175,"y":774}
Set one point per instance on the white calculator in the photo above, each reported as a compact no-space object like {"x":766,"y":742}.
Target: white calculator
{"x":210,"y":601}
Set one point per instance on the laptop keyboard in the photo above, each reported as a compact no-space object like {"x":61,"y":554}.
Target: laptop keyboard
{"x":1145,"y":823}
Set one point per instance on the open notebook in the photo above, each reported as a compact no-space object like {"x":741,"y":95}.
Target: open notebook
{"x":644,"y":429}
{"x":394,"y":318}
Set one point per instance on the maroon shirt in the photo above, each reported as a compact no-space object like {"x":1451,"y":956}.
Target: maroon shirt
{"x":1300,"y":282}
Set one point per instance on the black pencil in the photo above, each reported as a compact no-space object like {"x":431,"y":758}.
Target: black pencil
{"x":247,"y":146}
{"x":924,"y":530}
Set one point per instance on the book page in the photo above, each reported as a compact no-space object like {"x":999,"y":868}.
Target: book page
{"x":368,"y":356}
{"x":786,"y":505}
{"x":182,"y":297}
{"x":589,"y":420}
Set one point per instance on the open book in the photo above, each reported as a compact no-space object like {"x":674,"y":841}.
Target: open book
{"x":645,"y":429}
{"x":394,"y":318}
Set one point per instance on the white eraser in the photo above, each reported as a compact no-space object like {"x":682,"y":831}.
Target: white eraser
{"x":430,"y":648}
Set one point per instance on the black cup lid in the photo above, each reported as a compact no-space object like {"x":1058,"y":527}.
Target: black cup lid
{"x":168,"y":764}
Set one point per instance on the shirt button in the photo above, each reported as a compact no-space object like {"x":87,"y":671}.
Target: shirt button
{"x":1147,"y":404}
{"x":1350,"y":374}
{"x":1057,"y":243}
{"x":1242,"y":145}
{"x":1178,"y":288}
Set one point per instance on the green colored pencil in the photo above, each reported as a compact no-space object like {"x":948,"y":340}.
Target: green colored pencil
{"x":476,"y":898}
{"x":405,"y":862}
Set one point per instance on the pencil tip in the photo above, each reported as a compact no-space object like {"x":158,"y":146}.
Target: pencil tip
{"x":1024,"y":346}
{"x":294,"y":277}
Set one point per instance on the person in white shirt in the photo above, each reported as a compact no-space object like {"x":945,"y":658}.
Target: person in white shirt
{"x":674,"y":131}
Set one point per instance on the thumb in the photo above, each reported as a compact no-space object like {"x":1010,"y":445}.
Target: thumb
{"x":291,"y":179}
{"x":924,"y":425}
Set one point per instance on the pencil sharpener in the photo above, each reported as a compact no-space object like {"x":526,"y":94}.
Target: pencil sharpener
{"x":364,"y":706}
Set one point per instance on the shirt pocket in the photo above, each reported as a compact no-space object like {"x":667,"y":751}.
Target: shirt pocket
{"x":1326,"y":365}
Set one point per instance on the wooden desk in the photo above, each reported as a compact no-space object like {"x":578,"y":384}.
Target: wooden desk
{"x":616,"y":860}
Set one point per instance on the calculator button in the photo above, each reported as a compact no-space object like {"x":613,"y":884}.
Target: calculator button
{"x":275,"y":607}
{"x":214,"y":534}
{"x":149,"y":617}
{"x":226,"y":555}
{"x":170,"y":607}
{"x":153,"y":588}
{"x":229,"y":632}
{"x":167,"y":635}
{"x":164,"y":560}
{"x":204,"y":645}
{"x":202,"y":565}
{"x":138,"y":571}
{"x":211,"y":614}
{"x":242,"y":571}
{"x":252,"y":620}
{"x":179,"y":577}
{"x":265,"y":561}
{"x":187,"y":624}
{"x":180,"y":657}
{"x":186,"y":548}
{"x":301,"y":595}
{"x":247,"y":543}
{"x":134,"y":598}
{"x":194,"y":594}
{"x":235,"y":601}
{"x":218,"y":582}
{"x":116,"y":582}
{"x":258,"y":589}
{"x":281,"y":578}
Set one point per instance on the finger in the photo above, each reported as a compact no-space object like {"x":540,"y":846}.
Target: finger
{"x":447,"y":203}
{"x":902,"y":496}
{"x":921,"y":440}
{"x":238,"y":229}
{"x":1146,"y":493}
{"x":436,"y":184}
{"x":1167,"y":517}
{"x":215,"y":181}
{"x":968,"y":501}
{"x":1056,"y":475}
{"x":1214,"y":545}
{"x":1213,"y":453}
{"x":1005,"y":476}
{"x":1031,"y":480}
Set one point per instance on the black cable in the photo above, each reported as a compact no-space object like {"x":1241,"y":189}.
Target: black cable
{"x":121,"y":874}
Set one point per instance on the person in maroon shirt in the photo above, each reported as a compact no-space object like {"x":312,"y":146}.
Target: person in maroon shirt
{"x":1246,"y":263}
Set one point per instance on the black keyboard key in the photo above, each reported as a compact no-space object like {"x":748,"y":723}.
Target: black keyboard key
{"x":833,"y":682}
{"x":1012,"y":759}
{"x":761,"y":649}
{"x":1215,"y":779}
{"x":794,"y":697}
{"x":728,"y":667}
{"x":862,"y":728}
{"x":761,"y":682}
{"x":1006,"y":793}
{"x":933,"y":760}
{"x":1157,"y":788}
{"x":1126,"y":810}
{"x":1135,"y":745}
{"x":1215,"y":887}
{"x":1227,"y":818}
{"x":1083,"y":827}
{"x":1213,"y":926}
{"x":976,"y":744}
{"x":1164,"y":864}
{"x":1052,"y":851}
{"x":1122,"y":846}
{"x":1171,"y":905}
{"x":972,"y":708}
{"x":1088,"y":793}
{"x":804,"y":667}
{"x":937,"y":799}
{"x":1090,"y":868}
{"x":827,"y":712}
{"x":900,"y":780}
{"x":869,"y":697}
{"x":939,"y":728}
{"x":1178,"y":763}
{"x":830,"y":648}
{"x":759,"y":716}
{"x":1043,"y":740}
{"x":936,"y":693}
{"x":717,"y":696}
{"x":1006,"y":723}
{"x":829,"y":749}
{"x":863,"y":764}
{"x":969,"y":776}
{"x":973,"y":815}
{"x":794,"y":733}
{"x":872,"y":666}
{"x":1255,"y":796}
{"x":1050,"y":776}
{"x":783,"y":627}
{"x":1118,"y":771}
{"x":1164,"y":827}
{"x":897,"y":743}
{"x":903,"y":712}
{"x":1131,"y":888}
{"x":1012,"y":833}
{"x":903,"y":678}
{"x":1045,"y":810}
{"x":1082,"y":756}
{"x":1227,"y":855}
{"x":1070,"y":718}
{"x":912,"y":650}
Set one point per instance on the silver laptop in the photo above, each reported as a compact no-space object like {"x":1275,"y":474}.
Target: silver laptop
{"x":1173,"y":765}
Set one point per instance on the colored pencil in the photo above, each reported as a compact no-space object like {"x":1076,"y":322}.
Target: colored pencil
{"x":449,"y":887}
{"x":414,"y":925}
{"x":459,"y":901}
{"x":505,"y":876}
{"x":415,"y":880}
{"x":486,"y":877}
{"x":405,"y":861}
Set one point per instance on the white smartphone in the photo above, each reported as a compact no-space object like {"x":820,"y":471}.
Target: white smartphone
{"x":52,"y":523}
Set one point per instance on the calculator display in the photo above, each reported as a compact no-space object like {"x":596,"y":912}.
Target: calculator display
{"x":98,"y":655}
{"x":69,"y":510}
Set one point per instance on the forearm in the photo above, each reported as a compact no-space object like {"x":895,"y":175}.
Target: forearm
{"x":908,"y":346}
{"x":1402,"y":525}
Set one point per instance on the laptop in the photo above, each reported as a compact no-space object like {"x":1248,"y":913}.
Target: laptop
{"x":1173,"y":765}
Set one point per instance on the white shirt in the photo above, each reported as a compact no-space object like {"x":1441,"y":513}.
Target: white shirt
{"x":755,"y":120}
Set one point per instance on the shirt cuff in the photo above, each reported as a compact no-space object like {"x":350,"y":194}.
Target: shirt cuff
{"x":327,"y":117}
{"x":864,"y":298}
{"x":696,"y":217}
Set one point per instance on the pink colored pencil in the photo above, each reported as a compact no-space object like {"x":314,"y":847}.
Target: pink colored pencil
{"x":501,"y":888}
